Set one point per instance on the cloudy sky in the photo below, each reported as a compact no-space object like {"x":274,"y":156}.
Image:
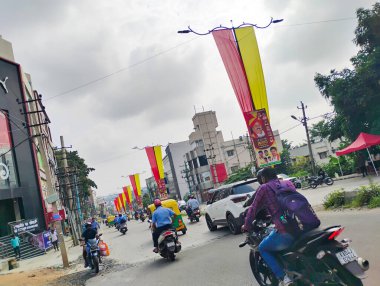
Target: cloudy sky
{"x":115,"y":74}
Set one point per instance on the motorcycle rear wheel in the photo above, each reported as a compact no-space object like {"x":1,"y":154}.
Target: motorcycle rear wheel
{"x":263,"y":275}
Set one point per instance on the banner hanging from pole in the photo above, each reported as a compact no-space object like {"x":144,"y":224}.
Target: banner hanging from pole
{"x":155,"y":159}
{"x":262,"y":138}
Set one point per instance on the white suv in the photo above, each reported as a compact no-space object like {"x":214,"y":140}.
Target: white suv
{"x":226,"y":205}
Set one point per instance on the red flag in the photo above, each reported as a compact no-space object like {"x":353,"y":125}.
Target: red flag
{"x":122,"y":202}
{"x":125,"y":190}
{"x":153,"y":163}
{"x":133,"y":182}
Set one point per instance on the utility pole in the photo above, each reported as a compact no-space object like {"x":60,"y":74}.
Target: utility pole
{"x":186,"y":175}
{"x":69,"y":194}
{"x":304,"y":123}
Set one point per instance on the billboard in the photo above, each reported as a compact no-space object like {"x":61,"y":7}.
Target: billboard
{"x":262,"y":138}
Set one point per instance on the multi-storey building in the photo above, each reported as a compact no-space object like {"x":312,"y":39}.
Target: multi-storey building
{"x":27,"y":180}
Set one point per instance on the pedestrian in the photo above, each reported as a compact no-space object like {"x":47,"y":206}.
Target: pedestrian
{"x":15,"y":242}
{"x":362,"y":165}
{"x":54,"y":239}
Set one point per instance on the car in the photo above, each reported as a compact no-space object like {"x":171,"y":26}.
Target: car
{"x":296,"y":182}
{"x":226,"y":206}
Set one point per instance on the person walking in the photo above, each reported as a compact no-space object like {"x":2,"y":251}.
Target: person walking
{"x":15,"y":242}
{"x":54,"y":239}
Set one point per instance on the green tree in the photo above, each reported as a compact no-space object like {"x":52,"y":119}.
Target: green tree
{"x":146,"y":200}
{"x":354,"y":93}
{"x":240,"y":175}
{"x":286,"y":163}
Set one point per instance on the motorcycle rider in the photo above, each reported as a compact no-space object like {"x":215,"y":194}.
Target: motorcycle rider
{"x":278,"y":239}
{"x":161,"y":221}
{"x":192,"y":204}
{"x":89,"y":233}
{"x":321,"y":174}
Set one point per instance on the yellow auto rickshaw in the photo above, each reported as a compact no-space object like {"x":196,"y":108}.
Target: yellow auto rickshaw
{"x":111,"y":220}
{"x":178,"y":222}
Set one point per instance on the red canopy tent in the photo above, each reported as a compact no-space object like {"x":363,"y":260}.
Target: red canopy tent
{"x":364,"y":141}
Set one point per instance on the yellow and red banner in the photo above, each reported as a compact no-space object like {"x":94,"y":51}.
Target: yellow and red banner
{"x":154,"y":154}
{"x":135,"y":181}
{"x":262,"y":138}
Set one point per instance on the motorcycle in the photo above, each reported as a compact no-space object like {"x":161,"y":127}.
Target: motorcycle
{"x":315,"y":181}
{"x":168,"y":244}
{"x":93,"y":255}
{"x":195,"y":215}
{"x":123,"y":227}
{"x":316,"y":258}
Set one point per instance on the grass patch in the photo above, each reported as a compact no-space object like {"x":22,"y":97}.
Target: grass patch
{"x":367,"y":196}
{"x":335,"y":199}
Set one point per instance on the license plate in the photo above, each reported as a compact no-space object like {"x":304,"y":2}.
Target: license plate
{"x":346,"y":256}
{"x":170,"y":244}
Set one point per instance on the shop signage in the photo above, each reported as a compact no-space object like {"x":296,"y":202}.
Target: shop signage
{"x":25,"y":225}
{"x":4,"y":173}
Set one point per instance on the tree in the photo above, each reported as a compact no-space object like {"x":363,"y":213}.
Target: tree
{"x":240,"y":175}
{"x":146,"y":200}
{"x":354,"y":93}
{"x":286,"y":163}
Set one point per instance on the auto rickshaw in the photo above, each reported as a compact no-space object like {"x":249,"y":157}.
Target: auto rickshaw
{"x":111,"y":220}
{"x":178,"y":222}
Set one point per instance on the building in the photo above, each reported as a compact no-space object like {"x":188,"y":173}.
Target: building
{"x":27,"y":180}
{"x":175,"y":168}
{"x":322,"y":150}
{"x":211,"y":159}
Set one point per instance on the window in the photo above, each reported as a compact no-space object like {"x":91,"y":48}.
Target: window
{"x":203,"y":160}
{"x":323,"y":155}
{"x":246,"y":188}
{"x":234,"y":168}
{"x":230,"y":153}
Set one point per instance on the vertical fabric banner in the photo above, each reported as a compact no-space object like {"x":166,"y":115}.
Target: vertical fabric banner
{"x":130,"y":194}
{"x":119,"y":203}
{"x":133,"y":183}
{"x":262,"y":138}
{"x":233,"y":63}
{"x":157,"y":166}
{"x":138,"y":185}
{"x":249,"y":51}
{"x":122,"y":202}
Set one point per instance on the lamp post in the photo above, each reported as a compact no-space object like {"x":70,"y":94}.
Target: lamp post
{"x":303,"y":120}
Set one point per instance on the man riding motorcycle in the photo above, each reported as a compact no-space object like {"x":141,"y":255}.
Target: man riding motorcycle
{"x":192,"y":204}
{"x":280,"y":238}
{"x":89,"y":233}
{"x":161,"y":221}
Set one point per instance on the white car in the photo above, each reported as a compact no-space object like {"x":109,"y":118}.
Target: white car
{"x":296,"y":182}
{"x":226,"y":205}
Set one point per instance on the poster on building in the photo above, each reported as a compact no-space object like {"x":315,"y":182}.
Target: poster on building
{"x":262,"y":138}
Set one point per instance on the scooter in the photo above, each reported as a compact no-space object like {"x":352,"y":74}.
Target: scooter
{"x":195,"y":215}
{"x":123,"y":228}
{"x":168,"y":244}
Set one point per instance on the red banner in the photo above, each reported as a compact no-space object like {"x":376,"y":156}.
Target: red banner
{"x":122,"y":202}
{"x":153,"y":163}
{"x":233,"y":63}
{"x":134,"y":186}
{"x":218,"y":173}
{"x":125,"y":191}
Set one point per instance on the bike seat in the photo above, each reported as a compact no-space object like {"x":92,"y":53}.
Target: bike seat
{"x":305,"y":237}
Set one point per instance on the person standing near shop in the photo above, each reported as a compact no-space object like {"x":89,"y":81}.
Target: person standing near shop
{"x":54,"y":238}
{"x":15,"y":242}
{"x":362,"y":165}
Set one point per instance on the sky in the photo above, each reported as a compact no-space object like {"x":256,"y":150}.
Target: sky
{"x":116,"y":74}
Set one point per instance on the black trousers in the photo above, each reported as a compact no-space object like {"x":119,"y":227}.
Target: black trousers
{"x":55,"y":244}
{"x":157,"y":232}
{"x":364,"y":171}
{"x":17,"y":251}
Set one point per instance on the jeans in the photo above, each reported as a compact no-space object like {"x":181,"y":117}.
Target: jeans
{"x":17,"y":251}
{"x":157,"y":232}
{"x":275,"y":242}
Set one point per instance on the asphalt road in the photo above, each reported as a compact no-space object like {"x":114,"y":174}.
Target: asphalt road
{"x":221,"y":262}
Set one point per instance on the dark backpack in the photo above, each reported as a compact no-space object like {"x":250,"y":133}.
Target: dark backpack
{"x":296,"y":213}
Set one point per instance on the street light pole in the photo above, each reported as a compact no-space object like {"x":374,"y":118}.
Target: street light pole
{"x":304,"y":123}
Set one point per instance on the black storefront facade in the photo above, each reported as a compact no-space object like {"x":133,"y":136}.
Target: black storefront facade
{"x":20,"y":190}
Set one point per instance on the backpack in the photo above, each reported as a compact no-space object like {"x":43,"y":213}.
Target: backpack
{"x":296,"y":213}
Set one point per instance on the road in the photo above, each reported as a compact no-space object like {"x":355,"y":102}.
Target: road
{"x":219,"y":261}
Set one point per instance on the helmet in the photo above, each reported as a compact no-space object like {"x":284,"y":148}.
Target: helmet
{"x":157,"y":202}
